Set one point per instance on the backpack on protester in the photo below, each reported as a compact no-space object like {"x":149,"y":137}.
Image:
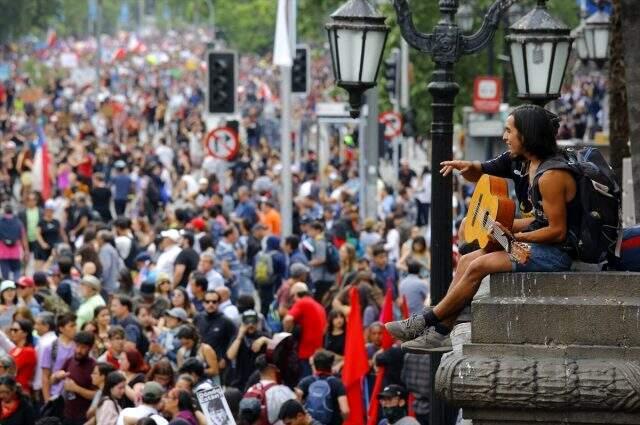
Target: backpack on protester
{"x":53,"y":303}
{"x":263,"y":271}
{"x":600,"y":200}
{"x":134,"y":250}
{"x":332,"y":258}
{"x":319,"y":401}
{"x":259,"y":392}
{"x":10,"y":230}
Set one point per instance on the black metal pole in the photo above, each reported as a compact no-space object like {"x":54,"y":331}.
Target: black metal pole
{"x":443,"y":92}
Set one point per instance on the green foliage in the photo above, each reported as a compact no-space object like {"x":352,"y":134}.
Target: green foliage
{"x":23,"y":17}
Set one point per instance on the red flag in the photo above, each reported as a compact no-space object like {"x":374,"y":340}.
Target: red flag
{"x":52,"y":38}
{"x":386,"y":315}
{"x":356,"y":364}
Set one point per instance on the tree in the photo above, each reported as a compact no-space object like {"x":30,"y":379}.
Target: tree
{"x":631,"y":41}
{"x":618,"y":116}
{"x":19,"y":18}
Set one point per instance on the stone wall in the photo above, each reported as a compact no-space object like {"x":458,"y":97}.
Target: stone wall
{"x":552,"y":348}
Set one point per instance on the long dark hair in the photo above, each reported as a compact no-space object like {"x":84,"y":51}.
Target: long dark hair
{"x":10,"y":382}
{"x":332,"y":315}
{"x":538,"y":129}
{"x":112,"y":379}
{"x":162,"y":367}
{"x":185,"y":402}
{"x":27,"y":328}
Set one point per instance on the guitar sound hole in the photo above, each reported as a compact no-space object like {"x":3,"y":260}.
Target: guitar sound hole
{"x":475,"y":211}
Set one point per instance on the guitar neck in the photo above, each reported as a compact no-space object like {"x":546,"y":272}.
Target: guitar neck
{"x":500,"y":237}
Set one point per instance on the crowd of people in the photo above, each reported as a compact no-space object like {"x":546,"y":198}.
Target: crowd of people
{"x":138,"y":269}
{"x":581,"y":108}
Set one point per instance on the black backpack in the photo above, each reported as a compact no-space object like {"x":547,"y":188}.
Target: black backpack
{"x":10,"y":230}
{"x":332,"y":258}
{"x":599,"y":227}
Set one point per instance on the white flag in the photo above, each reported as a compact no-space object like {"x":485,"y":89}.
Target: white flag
{"x":282,"y":49}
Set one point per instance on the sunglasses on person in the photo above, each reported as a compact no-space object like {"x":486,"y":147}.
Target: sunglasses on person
{"x":211,"y":301}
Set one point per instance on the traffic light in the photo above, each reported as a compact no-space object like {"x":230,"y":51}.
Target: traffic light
{"x":409,"y":123}
{"x":300,"y":71}
{"x":392,"y":74}
{"x":222,"y":75}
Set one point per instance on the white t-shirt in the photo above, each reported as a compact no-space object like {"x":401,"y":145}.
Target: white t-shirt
{"x":167,"y":259}
{"x":140,"y":412}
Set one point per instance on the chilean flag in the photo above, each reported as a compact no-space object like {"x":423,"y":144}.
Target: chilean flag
{"x":41,"y":175}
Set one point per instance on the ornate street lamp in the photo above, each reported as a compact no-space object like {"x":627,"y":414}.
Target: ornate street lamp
{"x":580,"y":43}
{"x":597,"y":30}
{"x":357,"y":37}
{"x":539,"y":45}
{"x":465,"y":17}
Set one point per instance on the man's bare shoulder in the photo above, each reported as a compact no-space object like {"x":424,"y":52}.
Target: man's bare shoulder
{"x":557,"y":177}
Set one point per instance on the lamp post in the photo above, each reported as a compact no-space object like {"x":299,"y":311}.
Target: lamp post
{"x":357,"y":35}
{"x":539,"y":45}
{"x":596,"y":32}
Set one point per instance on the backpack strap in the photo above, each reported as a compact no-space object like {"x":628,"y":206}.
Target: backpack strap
{"x":54,"y":352}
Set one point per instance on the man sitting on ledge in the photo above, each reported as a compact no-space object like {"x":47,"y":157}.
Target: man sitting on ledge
{"x":530,"y":137}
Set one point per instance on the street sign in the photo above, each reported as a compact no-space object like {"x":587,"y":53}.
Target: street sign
{"x":392,"y":124}
{"x":487,"y":94}
{"x":222,"y":143}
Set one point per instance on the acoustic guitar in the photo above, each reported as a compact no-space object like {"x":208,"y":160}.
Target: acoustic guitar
{"x":490,"y":204}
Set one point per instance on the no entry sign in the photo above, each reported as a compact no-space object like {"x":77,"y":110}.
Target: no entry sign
{"x":392,"y":124}
{"x":222,"y":143}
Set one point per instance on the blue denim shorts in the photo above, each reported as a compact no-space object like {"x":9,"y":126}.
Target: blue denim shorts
{"x":544,"y":258}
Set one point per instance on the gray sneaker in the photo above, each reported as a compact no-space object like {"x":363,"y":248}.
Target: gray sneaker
{"x":429,"y":342}
{"x":408,"y":329}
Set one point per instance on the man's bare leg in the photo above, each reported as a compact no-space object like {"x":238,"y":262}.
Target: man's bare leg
{"x":438,"y":322}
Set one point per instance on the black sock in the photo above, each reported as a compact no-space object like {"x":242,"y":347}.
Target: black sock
{"x":430,"y":318}
{"x":442,"y":329}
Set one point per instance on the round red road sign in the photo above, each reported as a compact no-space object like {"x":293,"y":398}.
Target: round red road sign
{"x":222,"y":143}
{"x":392,"y":124}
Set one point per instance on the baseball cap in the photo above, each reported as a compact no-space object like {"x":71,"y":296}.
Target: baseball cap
{"x":91,"y":281}
{"x":26,"y":282}
{"x":143,"y":256}
{"x":298,"y":269}
{"x":178,"y":313}
{"x":198,"y":223}
{"x":249,"y":316}
{"x":7,"y":284}
{"x":393,"y":390}
{"x":152,"y":391}
{"x":50,"y":205}
{"x":120,"y":164}
{"x":172,"y":234}
{"x":163,"y":277}
{"x":298,"y":287}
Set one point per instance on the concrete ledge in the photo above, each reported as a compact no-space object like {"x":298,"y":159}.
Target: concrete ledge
{"x":540,"y":417}
{"x":576,"y":352}
{"x":609,"y":284}
{"x":554,"y":320}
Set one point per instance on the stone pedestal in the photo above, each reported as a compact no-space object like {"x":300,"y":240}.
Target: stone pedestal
{"x":550,"y":348}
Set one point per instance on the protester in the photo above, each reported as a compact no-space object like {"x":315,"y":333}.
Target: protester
{"x":16,"y":406}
